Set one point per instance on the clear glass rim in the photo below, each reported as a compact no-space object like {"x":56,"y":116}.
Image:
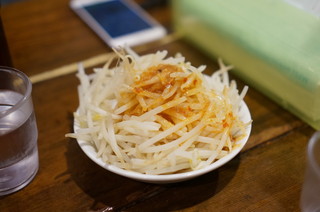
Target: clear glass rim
{"x":311,"y":153}
{"x":26,"y":94}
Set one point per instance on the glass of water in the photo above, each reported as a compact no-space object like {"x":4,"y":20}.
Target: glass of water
{"x":310,"y":196}
{"x":18,"y":132}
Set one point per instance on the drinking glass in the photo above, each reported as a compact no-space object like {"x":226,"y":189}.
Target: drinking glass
{"x":18,"y":131}
{"x":310,"y":196}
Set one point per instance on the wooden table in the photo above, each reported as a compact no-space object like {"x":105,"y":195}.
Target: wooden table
{"x":45,"y":36}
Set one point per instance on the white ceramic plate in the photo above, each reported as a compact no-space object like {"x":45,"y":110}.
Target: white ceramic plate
{"x":89,"y":150}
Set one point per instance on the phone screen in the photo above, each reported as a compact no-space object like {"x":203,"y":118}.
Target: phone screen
{"x":116,"y":18}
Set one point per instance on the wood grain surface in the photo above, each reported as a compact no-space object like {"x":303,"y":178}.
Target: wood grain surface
{"x":46,"y":35}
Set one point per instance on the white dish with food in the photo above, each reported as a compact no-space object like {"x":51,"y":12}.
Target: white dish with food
{"x":159,"y":120}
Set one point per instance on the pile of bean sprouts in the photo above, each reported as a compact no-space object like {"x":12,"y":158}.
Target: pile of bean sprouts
{"x":157,"y":115}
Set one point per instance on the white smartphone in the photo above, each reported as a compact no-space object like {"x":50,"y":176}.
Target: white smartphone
{"x":118,"y":22}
